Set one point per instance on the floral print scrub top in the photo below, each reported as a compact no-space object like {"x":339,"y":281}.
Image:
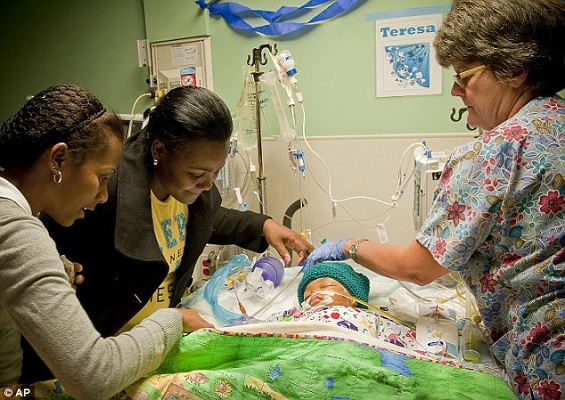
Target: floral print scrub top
{"x":499,"y":219}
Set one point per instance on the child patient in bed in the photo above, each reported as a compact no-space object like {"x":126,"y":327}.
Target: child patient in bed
{"x":334,"y":293}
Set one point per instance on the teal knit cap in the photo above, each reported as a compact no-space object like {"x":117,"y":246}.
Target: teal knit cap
{"x":356,"y":283}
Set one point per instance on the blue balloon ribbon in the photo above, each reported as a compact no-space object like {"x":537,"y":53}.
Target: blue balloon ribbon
{"x":278,"y":23}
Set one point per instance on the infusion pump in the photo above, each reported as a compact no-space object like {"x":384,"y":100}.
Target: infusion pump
{"x":181,"y":62}
{"x":428,"y":168}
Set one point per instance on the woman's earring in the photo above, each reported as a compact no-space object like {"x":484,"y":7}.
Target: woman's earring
{"x":57,"y":176}
{"x":155,"y":162}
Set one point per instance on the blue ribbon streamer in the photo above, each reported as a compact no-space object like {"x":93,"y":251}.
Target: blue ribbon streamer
{"x":277,"y":21}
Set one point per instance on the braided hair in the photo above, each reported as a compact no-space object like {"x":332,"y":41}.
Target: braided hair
{"x":62,"y":113}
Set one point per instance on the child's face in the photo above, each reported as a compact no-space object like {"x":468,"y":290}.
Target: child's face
{"x":327,"y":284}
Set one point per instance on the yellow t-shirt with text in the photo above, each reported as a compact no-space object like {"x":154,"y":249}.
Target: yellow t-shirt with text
{"x":169,"y":224}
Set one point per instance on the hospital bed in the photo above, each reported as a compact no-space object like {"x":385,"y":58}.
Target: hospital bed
{"x":244,"y":358}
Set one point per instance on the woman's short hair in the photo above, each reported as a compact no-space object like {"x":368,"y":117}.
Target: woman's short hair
{"x":508,"y":36}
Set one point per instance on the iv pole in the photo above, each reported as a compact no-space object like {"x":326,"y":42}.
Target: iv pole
{"x":259,"y":59}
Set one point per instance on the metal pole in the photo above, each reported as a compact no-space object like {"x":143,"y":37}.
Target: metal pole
{"x":258,"y":59}
{"x":261,"y":178}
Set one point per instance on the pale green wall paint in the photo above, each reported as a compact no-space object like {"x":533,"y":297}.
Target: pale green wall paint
{"x":174,"y":19}
{"x":93,"y":43}
{"x":88,"y":42}
{"x":336,"y":73}
{"x":336,"y":70}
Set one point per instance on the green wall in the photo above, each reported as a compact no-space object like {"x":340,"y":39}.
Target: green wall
{"x":88,"y":42}
{"x":337,"y":76}
{"x":93,"y":43}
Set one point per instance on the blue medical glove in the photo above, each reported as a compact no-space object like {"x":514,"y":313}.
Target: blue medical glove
{"x":329,"y":251}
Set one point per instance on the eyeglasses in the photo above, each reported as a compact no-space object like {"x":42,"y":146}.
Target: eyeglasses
{"x":460,"y":77}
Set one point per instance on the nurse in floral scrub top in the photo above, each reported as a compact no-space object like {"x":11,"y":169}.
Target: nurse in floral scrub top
{"x":499,"y":213}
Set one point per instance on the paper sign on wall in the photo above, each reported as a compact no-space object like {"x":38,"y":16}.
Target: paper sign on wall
{"x":406,"y":64}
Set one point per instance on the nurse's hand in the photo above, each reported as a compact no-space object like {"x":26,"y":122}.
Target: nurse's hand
{"x":283,"y":238}
{"x":329,"y":251}
{"x":192,"y":321}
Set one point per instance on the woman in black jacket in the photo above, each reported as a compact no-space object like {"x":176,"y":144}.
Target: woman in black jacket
{"x":140,"y":248}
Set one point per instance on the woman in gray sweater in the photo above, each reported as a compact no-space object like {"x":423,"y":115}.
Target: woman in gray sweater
{"x":57,"y":154}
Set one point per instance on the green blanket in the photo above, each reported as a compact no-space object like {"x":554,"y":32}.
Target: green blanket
{"x":220,"y":365}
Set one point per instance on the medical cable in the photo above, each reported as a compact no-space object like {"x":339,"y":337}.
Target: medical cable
{"x":335,"y":204}
{"x":334,"y":200}
{"x":276,"y":296}
{"x":399,"y":190}
{"x":424,"y":299}
{"x":382,"y":313}
{"x":239,"y":303}
{"x":357,"y":221}
{"x":401,"y":177}
{"x":471,"y":308}
{"x":284,"y":67}
{"x":217,"y":283}
{"x":402,"y":182}
{"x":298,"y":183}
{"x":288,"y":81}
{"x":130,"y":125}
{"x":371,"y":307}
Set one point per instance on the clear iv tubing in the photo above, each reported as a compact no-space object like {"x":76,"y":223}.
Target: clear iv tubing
{"x":399,"y":187}
{"x":216,"y":284}
{"x":287,"y":131}
{"x":427,"y":300}
{"x":277,"y":295}
{"x":381,"y":312}
{"x":369,"y":306}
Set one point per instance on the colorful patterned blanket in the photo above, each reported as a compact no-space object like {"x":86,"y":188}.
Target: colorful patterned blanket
{"x":247,"y":363}
{"x":213,"y":364}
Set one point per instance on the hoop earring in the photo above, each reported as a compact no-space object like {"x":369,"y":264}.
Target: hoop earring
{"x":57,"y":176}
{"x":155,"y":162}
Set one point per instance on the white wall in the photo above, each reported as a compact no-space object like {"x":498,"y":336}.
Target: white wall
{"x":359,"y":166}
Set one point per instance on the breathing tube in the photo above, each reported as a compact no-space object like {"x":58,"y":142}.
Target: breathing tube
{"x":261,"y":277}
{"x":385,"y":314}
{"x":217,"y":283}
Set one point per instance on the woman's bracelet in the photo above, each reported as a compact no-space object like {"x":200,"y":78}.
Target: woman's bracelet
{"x":354,"y":247}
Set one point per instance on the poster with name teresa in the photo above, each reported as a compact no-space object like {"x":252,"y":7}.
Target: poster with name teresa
{"x":406,"y":64}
